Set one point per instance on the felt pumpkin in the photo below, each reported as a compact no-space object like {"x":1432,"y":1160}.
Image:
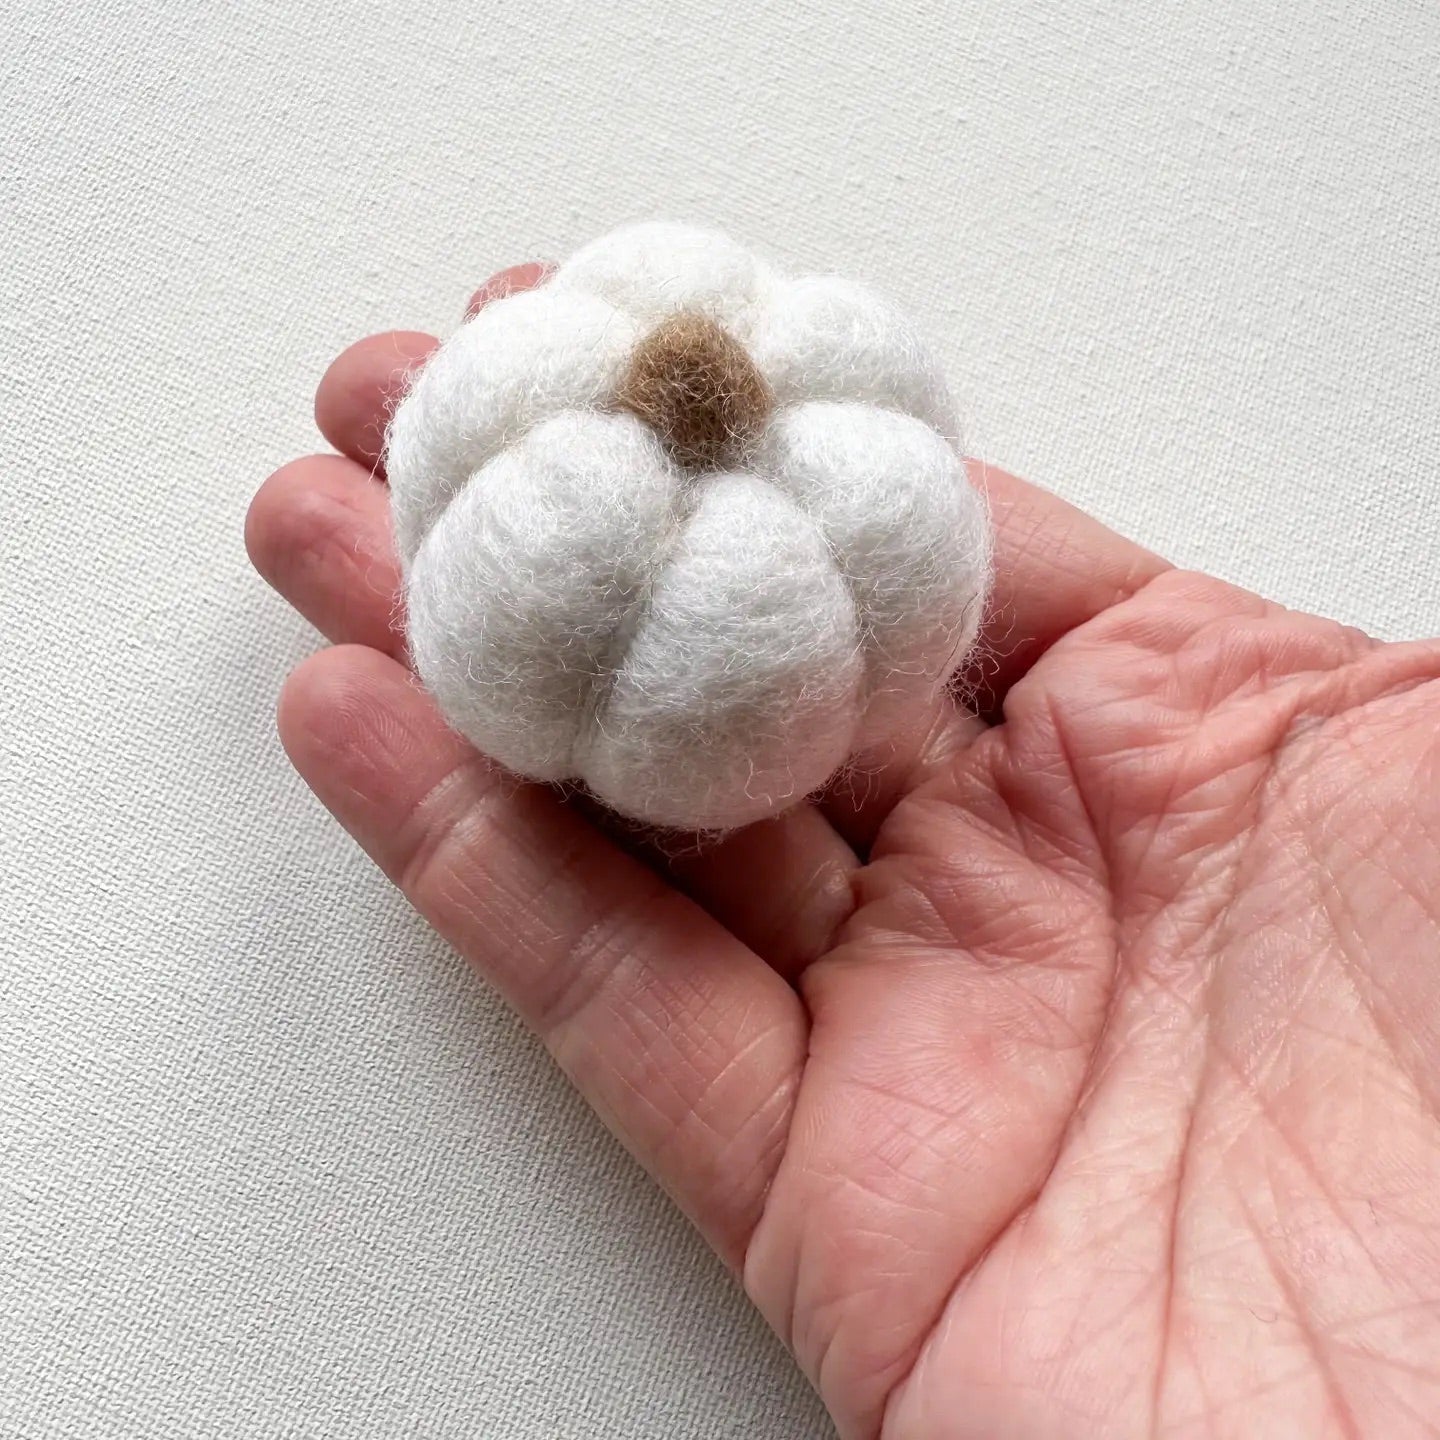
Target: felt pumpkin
{"x":683,"y":529}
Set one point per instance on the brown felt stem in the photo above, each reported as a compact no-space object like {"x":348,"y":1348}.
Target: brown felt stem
{"x":694,"y":383}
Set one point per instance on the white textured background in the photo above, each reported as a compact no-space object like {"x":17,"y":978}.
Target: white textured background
{"x":271,"y":1163}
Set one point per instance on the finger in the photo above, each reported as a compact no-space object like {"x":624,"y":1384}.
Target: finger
{"x":318,"y":530}
{"x":686,"y":1044}
{"x":357,"y":393}
{"x":509,"y":282}
{"x":1055,"y":568}
{"x":784,"y":886}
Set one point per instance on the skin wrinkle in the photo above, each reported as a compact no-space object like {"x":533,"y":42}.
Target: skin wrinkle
{"x":642,"y":1026}
{"x":1390,"y":1362}
{"x":1013,"y":777}
{"x":1308,"y":1337}
{"x":424,"y":835}
{"x":648,"y":1036}
{"x":1304,"y":1158}
{"x":600,"y":957}
{"x":1171,"y":1269}
{"x":773,"y":1118}
{"x":1171,"y":1265}
{"x":609,"y":982}
{"x":771,"y":1115}
{"x":1331,"y":903}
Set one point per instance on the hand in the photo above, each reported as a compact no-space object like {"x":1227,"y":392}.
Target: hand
{"x":1079,"y":1074}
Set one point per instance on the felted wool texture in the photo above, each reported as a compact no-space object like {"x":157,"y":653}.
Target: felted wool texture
{"x":684,"y":529}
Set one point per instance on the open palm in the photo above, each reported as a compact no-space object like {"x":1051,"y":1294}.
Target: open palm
{"x":1073,"y":1074}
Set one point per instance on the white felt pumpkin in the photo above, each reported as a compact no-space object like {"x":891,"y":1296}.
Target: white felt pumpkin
{"x":684,"y":529}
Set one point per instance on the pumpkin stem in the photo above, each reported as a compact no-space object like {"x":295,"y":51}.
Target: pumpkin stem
{"x":693,"y":381}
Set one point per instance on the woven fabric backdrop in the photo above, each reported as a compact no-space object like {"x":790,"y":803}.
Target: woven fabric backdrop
{"x":272,"y":1164}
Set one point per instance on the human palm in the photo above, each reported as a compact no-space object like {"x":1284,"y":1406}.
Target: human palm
{"x":1071,"y":1073}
